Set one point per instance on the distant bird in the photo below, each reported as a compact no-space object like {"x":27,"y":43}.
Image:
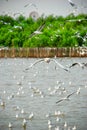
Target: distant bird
{"x":74,"y":128}
{"x":31,"y":116}
{"x":75,"y":7}
{"x":10,"y":125}
{"x":80,"y":64}
{"x":24,"y":122}
{"x":38,"y":31}
{"x":47,"y":60}
{"x":65,"y":124}
{"x":83,"y":38}
{"x":66,"y":98}
{"x":16,"y":14}
{"x":31,"y":4}
{"x":71,"y":3}
{"x":2,"y":103}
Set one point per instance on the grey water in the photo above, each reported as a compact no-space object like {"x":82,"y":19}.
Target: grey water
{"x":37,"y":90}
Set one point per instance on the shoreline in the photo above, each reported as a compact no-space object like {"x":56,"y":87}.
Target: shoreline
{"x":43,"y":52}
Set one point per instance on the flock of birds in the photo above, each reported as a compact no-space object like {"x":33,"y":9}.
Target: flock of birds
{"x":48,"y":60}
{"x":38,"y":31}
{"x":59,"y":89}
{"x":27,"y":117}
{"x":73,"y":5}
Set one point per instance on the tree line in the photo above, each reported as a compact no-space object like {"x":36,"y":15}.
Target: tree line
{"x":49,"y":31}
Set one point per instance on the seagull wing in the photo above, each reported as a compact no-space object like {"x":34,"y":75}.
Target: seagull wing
{"x":38,"y":31}
{"x":34,"y":5}
{"x":31,"y":4}
{"x":73,"y":65}
{"x":34,"y":64}
{"x":76,"y":64}
{"x":71,"y":94}
{"x":60,"y":65}
{"x":26,"y":5}
{"x":59,"y":101}
{"x":71,"y":3}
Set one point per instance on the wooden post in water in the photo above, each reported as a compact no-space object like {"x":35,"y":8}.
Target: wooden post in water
{"x":21,"y":52}
{"x":31,"y":52}
{"x":12,"y":52}
{"x":2,"y":53}
{"x":36,"y":54}
{"x":43,"y":52}
{"x":17,"y":52}
{"x":6,"y":53}
{"x":53,"y":52}
{"x":59,"y":52}
{"x":71,"y":53}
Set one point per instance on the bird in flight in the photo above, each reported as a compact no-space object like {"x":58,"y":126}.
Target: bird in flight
{"x":71,"y":3}
{"x":47,"y":60}
{"x":31,"y":4}
{"x":38,"y":31}
{"x":66,"y":98}
{"x":75,"y":7}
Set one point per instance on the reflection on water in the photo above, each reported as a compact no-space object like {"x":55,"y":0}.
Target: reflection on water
{"x":32,"y":95}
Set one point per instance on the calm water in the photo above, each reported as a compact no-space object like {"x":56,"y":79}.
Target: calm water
{"x":37,"y":91}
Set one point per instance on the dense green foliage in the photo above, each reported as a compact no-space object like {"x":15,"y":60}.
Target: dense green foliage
{"x":56,"y":31}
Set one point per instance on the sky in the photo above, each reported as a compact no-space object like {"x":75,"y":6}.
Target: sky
{"x":43,"y":7}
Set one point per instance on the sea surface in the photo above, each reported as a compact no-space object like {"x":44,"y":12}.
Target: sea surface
{"x":36,"y":90}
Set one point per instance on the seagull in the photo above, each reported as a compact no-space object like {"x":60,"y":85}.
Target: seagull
{"x":10,"y":125}
{"x":24,"y":122}
{"x":74,"y":128}
{"x":71,"y":3}
{"x":31,"y":116}
{"x":31,"y":4}
{"x":80,"y":64}
{"x":67,"y":97}
{"x":38,"y":31}
{"x":47,"y":60}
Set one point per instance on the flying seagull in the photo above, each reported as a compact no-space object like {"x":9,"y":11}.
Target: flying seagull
{"x":31,"y":4}
{"x":67,"y":97}
{"x":71,"y":3}
{"x":47,"y":60}
{"x":38,"y":31}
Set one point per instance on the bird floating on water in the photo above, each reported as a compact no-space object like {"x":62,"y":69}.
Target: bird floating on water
{"x":10,"y":125}
{"x":31,"y":116}
{"x":24,"y":122}
{"x":47,"y":60}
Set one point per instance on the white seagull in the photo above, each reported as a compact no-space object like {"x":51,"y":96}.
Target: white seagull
{"x":75,"y":7}
{"x":10,"y":125}
{"x":38,"y":31}
{"x":71,"y":3}
{"x":47,"y":60}
{"x":31,"y":4}
{"x":66,"y":98}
